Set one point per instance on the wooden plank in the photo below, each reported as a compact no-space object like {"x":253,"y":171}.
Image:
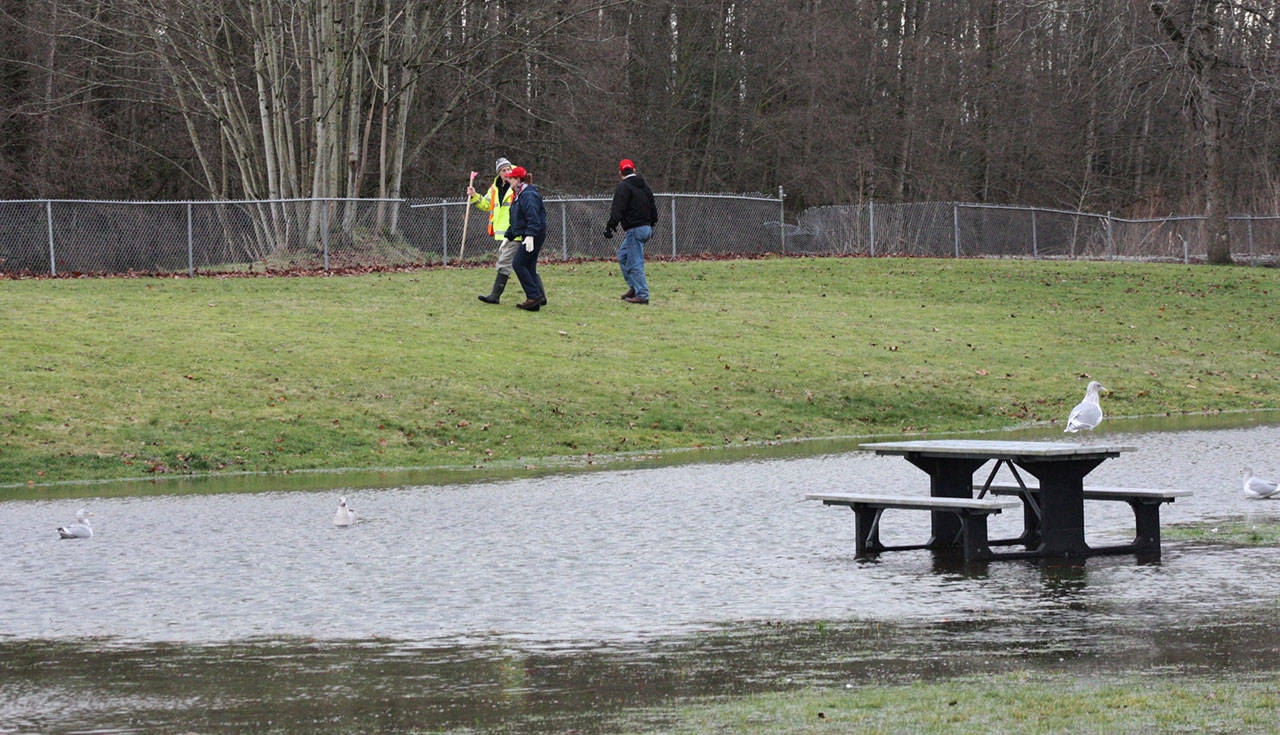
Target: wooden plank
{"x":991,"y":505}
{"x":1096,"y":492}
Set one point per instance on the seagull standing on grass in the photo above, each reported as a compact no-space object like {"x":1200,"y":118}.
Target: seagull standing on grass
{"x":79,"y":529}
{"x":1087,"y":414}
{"x":1257,"y":487}
{"x":344,"y":516}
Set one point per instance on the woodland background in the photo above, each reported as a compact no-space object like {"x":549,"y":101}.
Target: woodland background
{"x":1135,"y":107}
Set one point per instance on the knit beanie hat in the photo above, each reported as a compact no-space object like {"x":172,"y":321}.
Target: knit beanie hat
{"x":501,"y":164}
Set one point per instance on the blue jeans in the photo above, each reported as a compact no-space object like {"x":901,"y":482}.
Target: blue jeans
{"x":526,"y":267}
{"x":631,"y":259}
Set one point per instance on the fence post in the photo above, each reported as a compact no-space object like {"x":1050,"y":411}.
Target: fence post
{"x":1252,"y":259}
{"x":564,"y":231}
{"x":782,"y":218}
{"x":324,"y":232}
{"x":444,"y":233}
{"x":191,"y":261}
{"x":955,"y":227}
{"x":673,"y":225}
{"x":871,"y":225}
{"x":1111,"y":240}
{"x":1035,"y":237}
{"x":48,"y":219}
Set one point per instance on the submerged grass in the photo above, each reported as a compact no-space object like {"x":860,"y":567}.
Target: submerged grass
{"x":118,"y":378}
{"x":1235,"y":532}
{"x":1020,"y":702}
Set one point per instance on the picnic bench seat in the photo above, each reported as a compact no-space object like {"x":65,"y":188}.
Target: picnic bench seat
{"x":1144,"y":501}
{"x":971,"y":512}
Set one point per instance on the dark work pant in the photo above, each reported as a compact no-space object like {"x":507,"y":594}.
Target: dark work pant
{"x":526,"y":267}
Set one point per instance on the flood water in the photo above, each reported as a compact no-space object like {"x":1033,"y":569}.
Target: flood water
{"x":553,"y":602}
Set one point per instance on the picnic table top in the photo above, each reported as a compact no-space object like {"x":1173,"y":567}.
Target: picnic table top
{"x":995,"y":448}
{"x":913,"y":501}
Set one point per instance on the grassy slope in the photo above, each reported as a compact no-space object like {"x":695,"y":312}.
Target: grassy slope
{"x":120,"y":377}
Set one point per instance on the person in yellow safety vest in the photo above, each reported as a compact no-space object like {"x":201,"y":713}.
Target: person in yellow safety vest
{"x":497,"y":202}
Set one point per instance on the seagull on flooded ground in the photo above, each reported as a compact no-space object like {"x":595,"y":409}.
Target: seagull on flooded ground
{"x":79,"y":529}
{"x":1087,"y":414}
{"x":1257,"y":487}
{"x":344,"y":516}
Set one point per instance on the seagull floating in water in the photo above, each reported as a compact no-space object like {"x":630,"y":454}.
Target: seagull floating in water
{"x":79,"y":529}
{"x":1257,"y":487}
{"x":1087,"y":414}
{"x":344,"y":516}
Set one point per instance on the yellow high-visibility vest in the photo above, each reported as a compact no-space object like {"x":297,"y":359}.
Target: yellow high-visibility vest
{"x":499,"y":210}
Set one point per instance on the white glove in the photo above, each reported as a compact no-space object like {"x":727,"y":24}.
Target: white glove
{"x":528,"y":244}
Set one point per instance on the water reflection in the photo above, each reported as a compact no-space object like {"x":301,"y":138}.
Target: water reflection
{"x":341,"y":686}
{"x":550,"y":601}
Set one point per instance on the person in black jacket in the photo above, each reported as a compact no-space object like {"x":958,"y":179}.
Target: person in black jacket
{"x":634,"y":209}
{"x":528,"y":226}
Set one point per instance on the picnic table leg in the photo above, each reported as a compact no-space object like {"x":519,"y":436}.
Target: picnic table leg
{"x":1061,"y":504}
{"x":1030,"y":521}
{"x":949,"y":477}
{"x":867,"y":530}
{"x":975,"y":536}
{"x":1146,"y":516}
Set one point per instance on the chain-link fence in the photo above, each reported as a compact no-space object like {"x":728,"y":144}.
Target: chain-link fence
{"x":63,"y":237}
{"x":951,"y":229}
{"x":688,"y":224}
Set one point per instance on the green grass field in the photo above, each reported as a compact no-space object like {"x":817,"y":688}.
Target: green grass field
{"x":119,"y":378}
{"x":1015,"y":703}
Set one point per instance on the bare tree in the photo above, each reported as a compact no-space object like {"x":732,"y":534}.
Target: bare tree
{"x":1206,"y":37}
{"x":1066,"y":103}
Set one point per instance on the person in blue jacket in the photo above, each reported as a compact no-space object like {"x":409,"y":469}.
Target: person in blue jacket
{"x":528,"y":226}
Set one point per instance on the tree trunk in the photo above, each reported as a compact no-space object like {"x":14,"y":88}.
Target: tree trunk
{"x":1193,"y":28}
{"x":1217,"y":228}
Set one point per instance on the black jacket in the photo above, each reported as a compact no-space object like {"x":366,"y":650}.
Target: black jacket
{"x":632,"y":205}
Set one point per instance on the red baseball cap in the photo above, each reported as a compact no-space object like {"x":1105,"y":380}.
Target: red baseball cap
{"x":625,"y":164}
{"x":518,"y":173}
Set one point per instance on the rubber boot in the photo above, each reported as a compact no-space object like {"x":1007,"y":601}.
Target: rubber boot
{"x":538,"y":277}
{"x":499,"y":283}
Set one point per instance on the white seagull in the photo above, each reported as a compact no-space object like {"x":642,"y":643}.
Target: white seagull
{"x":1087,"y":414}
{"x":1257,"y":487}
{"x":344,"y":516}
{"x":79,"y":529}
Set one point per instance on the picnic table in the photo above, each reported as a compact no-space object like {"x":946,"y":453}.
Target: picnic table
{"x":1053,"y":504}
